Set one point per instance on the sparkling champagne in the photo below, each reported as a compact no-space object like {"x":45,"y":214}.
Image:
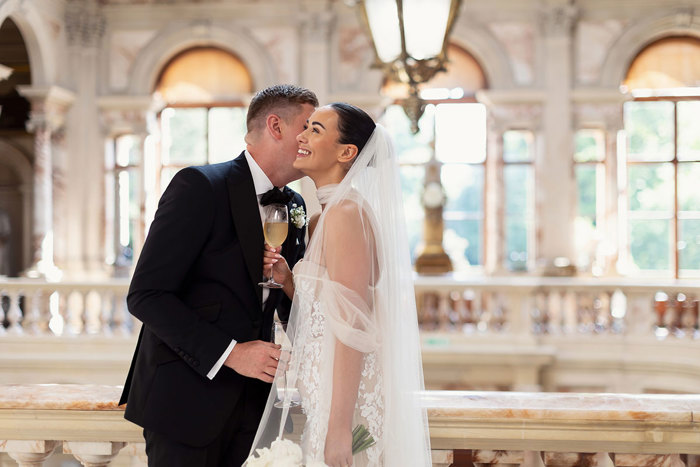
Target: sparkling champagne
{"x":275,"y":233}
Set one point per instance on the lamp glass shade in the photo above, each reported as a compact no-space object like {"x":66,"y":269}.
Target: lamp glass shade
{"x":383,"y":19}
{"x":425,"y":23}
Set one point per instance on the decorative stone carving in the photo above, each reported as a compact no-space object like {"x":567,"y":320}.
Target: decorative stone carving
{"x":559,"y":20}
{"x":85,"y":23}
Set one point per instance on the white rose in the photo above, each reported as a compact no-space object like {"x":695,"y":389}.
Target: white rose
{"x":264,"y":458}
{"x":283,"y":449}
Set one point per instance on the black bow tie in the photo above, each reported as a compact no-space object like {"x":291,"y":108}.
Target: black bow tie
{"x":275,"y":195}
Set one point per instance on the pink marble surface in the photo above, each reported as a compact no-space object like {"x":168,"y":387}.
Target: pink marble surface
{"x":564,"y":406}
{"x":461,"y":404}
{"x":60,"y":396}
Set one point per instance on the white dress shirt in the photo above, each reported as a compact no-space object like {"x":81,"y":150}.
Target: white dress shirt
{"x":262,"y":184}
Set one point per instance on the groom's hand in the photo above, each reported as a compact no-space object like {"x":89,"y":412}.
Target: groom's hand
{"x":255,"y":359}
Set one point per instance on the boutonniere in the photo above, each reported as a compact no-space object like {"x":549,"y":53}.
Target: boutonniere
{"x":298,"y":216}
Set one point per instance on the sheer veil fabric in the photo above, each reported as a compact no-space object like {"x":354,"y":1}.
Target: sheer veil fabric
{"x":355,"y":284}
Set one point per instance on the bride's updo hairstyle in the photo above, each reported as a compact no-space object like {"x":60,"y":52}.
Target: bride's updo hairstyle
{"x":354,"y":126}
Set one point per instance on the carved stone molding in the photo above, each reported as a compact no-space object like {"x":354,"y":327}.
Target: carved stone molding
{"x":49,"y":106}
{"x":85,"y":23}
{"x":559,"y":20}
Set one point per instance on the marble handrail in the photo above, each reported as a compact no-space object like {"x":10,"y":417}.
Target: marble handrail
{"x":501,"y":428}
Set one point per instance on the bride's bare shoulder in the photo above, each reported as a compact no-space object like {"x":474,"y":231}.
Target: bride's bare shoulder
{"x":313,"y":221}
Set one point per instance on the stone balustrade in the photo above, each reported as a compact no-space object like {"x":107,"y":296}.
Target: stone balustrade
{"x":466,"y":428}
{"x":516,"y":305}
{"x":37,"y":307}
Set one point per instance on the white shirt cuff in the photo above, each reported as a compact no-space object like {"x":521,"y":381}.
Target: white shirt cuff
{"x":217,"y":366}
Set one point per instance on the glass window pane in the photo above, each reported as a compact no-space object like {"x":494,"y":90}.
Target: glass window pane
{"x":411,"y":188}
{"x":184,"y":136}
{"x":227,"y":129}
{"x":689,"y":246}
{"x":649,"y":244}
{"x":410,"y":148}
{"x":586,"y":182}
{"x":464,"y":186}
{"x":518,"y":146}
{"x":650,"y":187}
{"x":689,"y":131}
{"x":460,"y":133}
{"x":688,"y":193}
{"x":590,"y":145}
{"x":649,"y":127}
{"x":463,"y":242}
{"x":518,"y":181}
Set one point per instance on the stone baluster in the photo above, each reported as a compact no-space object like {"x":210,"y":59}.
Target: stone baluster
{"x":657,"y":460}
{"x":106,"y":310}
{"x":442,"y":458}
{"x":14,"y":313}
{"x":121,"y":314}
{"x":29,"y":453}
{"x":2,"y":313}
{"x":569,"y":312}
{"x":573,"y":459}
{"x":93,"y":454}
{"x":93,"y":312}
{"x":74,"y":313}
{"x":519,"y":319}
{"x":32,"y":313}
{"x":554,"y":307}
{"x":443,"y":311}
{"x":640,"y":315}
{"x":497,"y":457}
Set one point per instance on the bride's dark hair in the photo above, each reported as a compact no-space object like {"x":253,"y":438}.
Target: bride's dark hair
{"x":354,"y":125}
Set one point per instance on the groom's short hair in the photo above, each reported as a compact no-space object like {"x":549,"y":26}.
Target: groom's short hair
{"x":282,"y":99}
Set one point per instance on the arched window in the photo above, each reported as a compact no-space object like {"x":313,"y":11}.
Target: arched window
{"x":203,"y":122}
{"x":663,"y":158}
{"x":454,"y":124}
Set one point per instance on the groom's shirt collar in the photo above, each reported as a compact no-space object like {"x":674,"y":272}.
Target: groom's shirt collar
{"x":260,"y":180}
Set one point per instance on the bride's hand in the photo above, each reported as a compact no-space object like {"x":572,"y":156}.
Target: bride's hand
{"x":338,"y":450}
{"x":272,"y":259}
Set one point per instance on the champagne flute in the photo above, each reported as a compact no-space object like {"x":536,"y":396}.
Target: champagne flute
{"x":275,"y":229}
{"x":286,"y":397}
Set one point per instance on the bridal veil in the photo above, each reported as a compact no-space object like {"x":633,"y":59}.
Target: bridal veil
{"x":355,"y":284}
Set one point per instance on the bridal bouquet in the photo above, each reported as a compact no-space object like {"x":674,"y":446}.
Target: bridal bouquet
{"x":286,"y":453}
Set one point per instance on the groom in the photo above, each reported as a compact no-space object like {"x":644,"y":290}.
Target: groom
{"x":200,"y":375}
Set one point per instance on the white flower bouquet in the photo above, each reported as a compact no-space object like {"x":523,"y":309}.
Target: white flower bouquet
{"x":286,"y":453}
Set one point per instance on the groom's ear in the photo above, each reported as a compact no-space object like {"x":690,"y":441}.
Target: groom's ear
{"x":273,"y":126}
{"x":348,"y":153}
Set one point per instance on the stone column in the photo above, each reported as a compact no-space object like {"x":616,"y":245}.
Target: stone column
{"x":602,"y":108}
{"x":506,"y":110}
{"x":120,"y":116}
{"x":315,"y":23}
{"x":554,"y":165}
{"x":84,"y":201}
{"x":49,"y":106}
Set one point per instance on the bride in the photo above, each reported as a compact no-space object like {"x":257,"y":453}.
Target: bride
{"x":355,"y":357}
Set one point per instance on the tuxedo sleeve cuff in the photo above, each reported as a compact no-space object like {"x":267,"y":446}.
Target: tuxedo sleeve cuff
{"x":217,"y":366}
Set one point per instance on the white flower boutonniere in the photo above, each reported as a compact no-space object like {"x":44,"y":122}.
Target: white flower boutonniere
{"x":298,"y":216}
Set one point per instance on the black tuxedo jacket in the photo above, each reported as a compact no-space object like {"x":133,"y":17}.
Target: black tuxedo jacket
{"x":195,"y":288}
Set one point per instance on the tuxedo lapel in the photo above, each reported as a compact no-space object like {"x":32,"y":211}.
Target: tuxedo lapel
{"x":246,"y":218}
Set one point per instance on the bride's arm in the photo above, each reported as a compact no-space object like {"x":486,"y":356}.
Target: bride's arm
{"x":275,"y":262}
{"x":348,"y":263}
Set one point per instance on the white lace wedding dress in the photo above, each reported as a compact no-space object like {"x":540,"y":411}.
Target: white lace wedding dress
{"x":355,"y":287}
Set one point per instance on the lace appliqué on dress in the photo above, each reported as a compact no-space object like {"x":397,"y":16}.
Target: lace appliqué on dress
{"x":315,"y":386}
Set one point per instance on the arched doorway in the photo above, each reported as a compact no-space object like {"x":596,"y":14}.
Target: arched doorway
{"x":15,"y":169}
